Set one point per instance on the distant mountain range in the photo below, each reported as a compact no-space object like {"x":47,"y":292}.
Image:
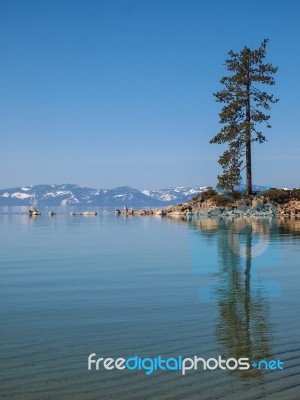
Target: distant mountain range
{"x":69,"y":194}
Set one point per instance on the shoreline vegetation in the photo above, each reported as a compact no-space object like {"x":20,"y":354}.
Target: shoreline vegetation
{"x":273,"y":202}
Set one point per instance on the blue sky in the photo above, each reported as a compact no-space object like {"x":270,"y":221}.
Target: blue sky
{"x":112,"y":93}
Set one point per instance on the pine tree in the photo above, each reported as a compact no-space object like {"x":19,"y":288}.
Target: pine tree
{"x":246,"y":104}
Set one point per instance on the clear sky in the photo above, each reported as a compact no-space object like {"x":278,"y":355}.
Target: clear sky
{"x":120,"y":92}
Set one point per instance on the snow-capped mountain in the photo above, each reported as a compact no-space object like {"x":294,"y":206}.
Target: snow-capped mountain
{"x":69,"y":194}
{"x":63,"y":194}
{"x":255,"y":188}
{"x":178,"y":194}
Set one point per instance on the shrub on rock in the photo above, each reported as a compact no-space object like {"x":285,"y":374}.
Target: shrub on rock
{"x":295,"y":194}
{"x":220,"y":200}
{"x":278,"y":195}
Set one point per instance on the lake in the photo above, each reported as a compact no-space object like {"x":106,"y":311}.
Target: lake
{"x":147,"y":286}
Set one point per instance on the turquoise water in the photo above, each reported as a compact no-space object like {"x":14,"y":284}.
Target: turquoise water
{"x":146,"y":286}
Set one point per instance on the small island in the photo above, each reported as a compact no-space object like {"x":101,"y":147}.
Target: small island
{"x":271,"y":203}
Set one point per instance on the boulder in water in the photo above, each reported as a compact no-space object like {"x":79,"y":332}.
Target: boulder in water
{"x":89,"y":213}
{"x":34,"y":211}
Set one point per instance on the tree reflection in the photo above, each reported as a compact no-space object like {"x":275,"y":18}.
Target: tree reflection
{"x":243,"y":328}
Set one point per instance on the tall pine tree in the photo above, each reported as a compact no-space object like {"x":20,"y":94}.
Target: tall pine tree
{"x":246,"y":104}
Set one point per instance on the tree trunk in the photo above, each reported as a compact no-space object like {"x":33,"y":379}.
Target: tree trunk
{"x":248,"y":168}
{"x":248,"y":144}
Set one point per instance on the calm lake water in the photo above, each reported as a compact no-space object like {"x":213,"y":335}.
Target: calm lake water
{"x":147,"y":286}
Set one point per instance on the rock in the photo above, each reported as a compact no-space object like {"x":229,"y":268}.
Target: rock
{"x":89,"y":213}
{"x":129,"y":211}
{"x":158,"y":212}
{"x":34,"y":211}
{"x":256,"y":202}
{"x":177,"y":213}
{"x":239,"y":203}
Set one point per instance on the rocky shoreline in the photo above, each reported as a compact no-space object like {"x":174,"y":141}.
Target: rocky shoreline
{"x":199,"y":207}
{"x":212,"y":204}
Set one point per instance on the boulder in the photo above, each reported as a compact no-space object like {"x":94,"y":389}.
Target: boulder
{"x":176,"y":213}
{"x":89,"y":213}
{"x":158,"y":212}
{"x":34,"y":211}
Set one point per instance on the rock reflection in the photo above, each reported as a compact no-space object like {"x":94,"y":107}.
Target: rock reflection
{"x":33,"y":218}
{"x":290,"y":226}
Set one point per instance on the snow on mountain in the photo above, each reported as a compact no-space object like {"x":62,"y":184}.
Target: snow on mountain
{"x":127,"y":196}
{"x":69,"y":194}
{"x":255,"y":188}
{"x":18,"y":195}
{"x":178,"y":194}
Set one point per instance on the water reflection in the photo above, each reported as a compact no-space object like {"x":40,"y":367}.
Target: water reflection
{"x":289,"y":226}
{"x":243,"y":328}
